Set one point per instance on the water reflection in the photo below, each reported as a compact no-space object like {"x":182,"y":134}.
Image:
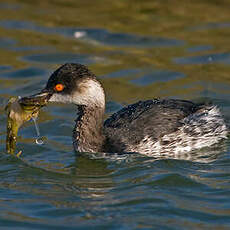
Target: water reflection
{"x":204,"y":59}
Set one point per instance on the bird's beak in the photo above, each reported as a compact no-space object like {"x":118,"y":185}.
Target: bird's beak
{"x":38,"y":100}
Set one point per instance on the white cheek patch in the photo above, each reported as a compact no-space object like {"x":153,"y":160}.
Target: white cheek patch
{"x":93,"y":94}
{"x":76,"y":98}
{"x":56,"y":97}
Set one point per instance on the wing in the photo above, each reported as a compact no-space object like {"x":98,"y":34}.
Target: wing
{"x":151,"y":118}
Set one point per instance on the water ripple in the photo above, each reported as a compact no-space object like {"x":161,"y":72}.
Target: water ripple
{"x":96,"y":36}
{"x":59,"y":58}
{"x":199,"y":48}
{"x":157,"y":76}
{"x":204,"y":59}
{"x":25,"y":73}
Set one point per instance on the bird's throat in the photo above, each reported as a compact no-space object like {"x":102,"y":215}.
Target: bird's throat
{"x":88,"y":131}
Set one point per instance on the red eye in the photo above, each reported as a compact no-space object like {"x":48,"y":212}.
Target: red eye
{"x":59,"y":87}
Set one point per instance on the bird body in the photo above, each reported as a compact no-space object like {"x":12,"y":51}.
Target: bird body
{"x":154,"y":127}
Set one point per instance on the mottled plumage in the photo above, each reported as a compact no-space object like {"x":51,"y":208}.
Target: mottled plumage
{"x":177,"y":126}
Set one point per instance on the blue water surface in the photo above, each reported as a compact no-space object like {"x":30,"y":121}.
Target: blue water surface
{"x":138,"y":51}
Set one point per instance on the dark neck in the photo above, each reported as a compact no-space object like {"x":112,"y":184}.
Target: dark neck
{"x":88,"y":132}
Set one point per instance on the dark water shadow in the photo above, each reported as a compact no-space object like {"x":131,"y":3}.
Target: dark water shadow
{"x":204,"y":59}
{"x":32,"y":48}
{"x":144,"y":77}
{"x":7,"y":43}
{"x":157,"y":76}
{"x":9,"y":6}
{"x":199,"y":48}
{"x":59,"y":58}
{"x":211,"y":26}
{"x":25,"y":73}
{"x":124,"y":40}
{"x":95,"y":36}
{"x":123,"y":73}
{"x":5,"y":68}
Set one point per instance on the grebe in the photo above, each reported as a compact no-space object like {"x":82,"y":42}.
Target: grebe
{"x":153,"y":127}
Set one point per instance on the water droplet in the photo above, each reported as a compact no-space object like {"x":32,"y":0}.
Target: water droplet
{"x":39,"y":141}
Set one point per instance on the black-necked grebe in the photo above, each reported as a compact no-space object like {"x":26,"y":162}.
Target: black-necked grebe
{"x":153,"y":127}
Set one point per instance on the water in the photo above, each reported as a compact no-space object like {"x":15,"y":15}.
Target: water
{"x":39,"y":139}
{"x":139,"y":50}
